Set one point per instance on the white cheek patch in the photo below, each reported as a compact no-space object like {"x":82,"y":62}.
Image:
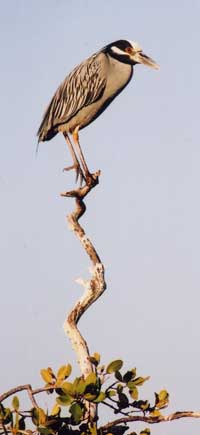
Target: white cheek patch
{"x":117,"y":50}
{"x":135,"y":45}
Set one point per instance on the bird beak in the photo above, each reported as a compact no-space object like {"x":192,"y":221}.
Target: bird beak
{"x":140,"y":57}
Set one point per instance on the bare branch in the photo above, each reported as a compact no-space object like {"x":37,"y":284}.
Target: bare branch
{"x":151,"y":420}
{"x":30,"y":391}
{"x":21,"y":388}
{"x":93,"y":287}
{"x":116,"y":410}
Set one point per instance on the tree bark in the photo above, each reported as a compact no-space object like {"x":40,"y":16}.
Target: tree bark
{"x":94,"y":287}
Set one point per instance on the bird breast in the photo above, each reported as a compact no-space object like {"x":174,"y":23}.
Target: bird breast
{"x":118,"y":76}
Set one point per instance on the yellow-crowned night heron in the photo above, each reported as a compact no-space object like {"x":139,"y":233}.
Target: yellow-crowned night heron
{"x":87,"y":91}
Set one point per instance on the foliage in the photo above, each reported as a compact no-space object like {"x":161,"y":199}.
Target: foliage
{"x":106,"y":386}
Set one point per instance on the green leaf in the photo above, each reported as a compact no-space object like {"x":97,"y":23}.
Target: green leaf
{"x":131,"y":385}
{"x":134,"y":393}
{"x":51,"y":372}
{"x":42,"y":416}
{"x":55,"y":410}
{"x":64,"y":400}
{"x":97,"y":356}
{"x":155,"y":413}
{"x":95,"y":359}
{"x":145,"y":431}
{"x":15,"y":403}
{"x":91,"y":379}
{"x":118,"y":376}
{"x":44,"y":430}
{"x":162,"y":399}
{"x":64,"y":372}
{"x":16,"y":424}
{"x":123,"y":401}
{"x":120,"y":430}
{"x":93,"y":430}
{"x":90,"y":396}
{"x":38,"y":416}
{"x":79,"y":386}
{"x":145,"y":405}
{"x":163,"y":395}
{"x":35,"y":416}
{"x":100,"y":398}
{"x":128,"y":376}
{"x":67,"y":387}
{"x":114,"y":366}
{"x":134,"y":372}
{"x":76,"y":412}
{"x":7,"y":416}
{"x":120,"y":388}
{"x":140,"y":381}
{"x":22,"y":425}
{"x":111,"y":393}
{"x":2,"y":410}
{"x":47,"y":376}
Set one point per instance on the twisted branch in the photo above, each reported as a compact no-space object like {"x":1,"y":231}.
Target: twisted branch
{"x":93,"y":287}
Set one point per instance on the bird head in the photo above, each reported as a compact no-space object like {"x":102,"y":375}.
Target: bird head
{"x":129,"y":52}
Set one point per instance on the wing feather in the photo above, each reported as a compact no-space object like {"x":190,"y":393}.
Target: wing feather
{"x":82,"y":87}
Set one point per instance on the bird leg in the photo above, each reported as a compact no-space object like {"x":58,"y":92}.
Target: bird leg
{"x":76,"y":165}
{"x":87,"y":175}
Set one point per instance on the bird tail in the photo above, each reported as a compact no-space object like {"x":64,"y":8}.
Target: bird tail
{"x":45,"y":131}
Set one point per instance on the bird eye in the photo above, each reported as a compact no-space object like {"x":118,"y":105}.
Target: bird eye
{"x":128,"y":50}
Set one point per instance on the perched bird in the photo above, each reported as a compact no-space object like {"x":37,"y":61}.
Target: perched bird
{"x":87,"y":91}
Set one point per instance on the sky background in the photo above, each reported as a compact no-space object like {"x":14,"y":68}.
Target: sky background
{"x":144,"y":217}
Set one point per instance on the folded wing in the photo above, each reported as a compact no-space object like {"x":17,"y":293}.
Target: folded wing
{"x":82,"y":87}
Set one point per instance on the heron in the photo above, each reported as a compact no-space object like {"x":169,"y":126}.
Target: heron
{"x":86,"y":92}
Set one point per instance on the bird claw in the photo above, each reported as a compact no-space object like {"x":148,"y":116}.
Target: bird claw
{"x":79,"y":172}
{"x":92,"y":179}
{"x":68,"y":168}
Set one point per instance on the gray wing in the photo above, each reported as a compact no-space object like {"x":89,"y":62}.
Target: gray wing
{"x":83,"y":86}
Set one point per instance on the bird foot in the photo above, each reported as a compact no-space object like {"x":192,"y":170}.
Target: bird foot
{"x":92,"y":179}
{"x":78,"y":170}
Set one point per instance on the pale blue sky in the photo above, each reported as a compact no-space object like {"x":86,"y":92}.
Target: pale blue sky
{"x":143,"y":217}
